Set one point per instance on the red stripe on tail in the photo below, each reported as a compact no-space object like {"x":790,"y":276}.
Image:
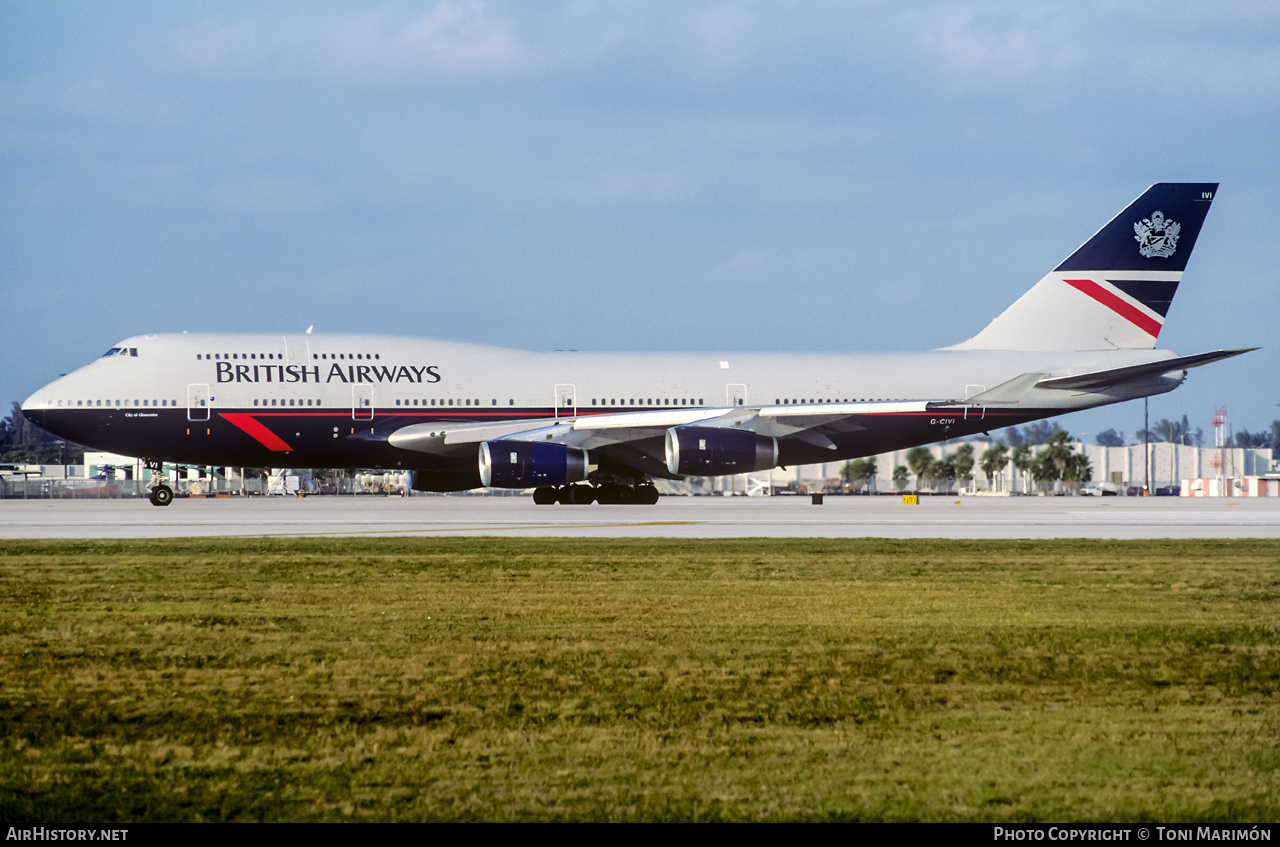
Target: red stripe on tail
{"x":1113,"y":302}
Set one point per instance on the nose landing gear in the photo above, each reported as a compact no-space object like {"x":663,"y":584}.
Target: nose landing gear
{"x":160,"y":493}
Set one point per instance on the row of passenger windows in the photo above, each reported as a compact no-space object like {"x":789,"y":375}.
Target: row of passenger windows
{"x":447,"y":402}
{"x":685,"y":403}
{"x":116,"y":403}
{"x":494,"y":403}
{"x":567,"y":402}
{"x":264,"y":356}
{"x":794,"y":402}
{"x":643,"y":402}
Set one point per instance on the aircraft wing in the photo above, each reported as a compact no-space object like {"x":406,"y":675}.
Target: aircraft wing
{"x":591,"y":432}
{"x":640,"y":440}
{"x":636,"y":440}
{"x":586,"y":431}
{"x":440,"y":436}
{"x":773,"y":421}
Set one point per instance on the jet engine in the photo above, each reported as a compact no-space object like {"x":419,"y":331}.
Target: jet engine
{"x":712,"y":451}
{"x":526,"y":464}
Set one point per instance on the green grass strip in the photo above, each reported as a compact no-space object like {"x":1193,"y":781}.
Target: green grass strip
{"x":639,"y":679}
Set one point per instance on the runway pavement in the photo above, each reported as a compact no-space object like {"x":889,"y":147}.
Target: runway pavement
{"x":674,"y":517}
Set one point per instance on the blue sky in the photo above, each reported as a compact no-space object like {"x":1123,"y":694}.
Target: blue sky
{"x":626,"y":175}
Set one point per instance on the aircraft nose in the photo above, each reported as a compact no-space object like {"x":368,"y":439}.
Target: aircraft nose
{"x":33,"y":410}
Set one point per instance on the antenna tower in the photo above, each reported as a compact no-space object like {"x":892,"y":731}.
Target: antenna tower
{"x":1222,"y":464}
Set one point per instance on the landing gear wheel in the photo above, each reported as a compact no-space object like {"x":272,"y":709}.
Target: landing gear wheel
{"x":161,"y":495}
{"x":545,"y":496}
{"x":646,"y":495}
{"x":582,"y":495}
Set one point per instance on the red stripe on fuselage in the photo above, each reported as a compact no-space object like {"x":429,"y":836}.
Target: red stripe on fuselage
{"x":260,"y":433}
{"x":1113,"y":302}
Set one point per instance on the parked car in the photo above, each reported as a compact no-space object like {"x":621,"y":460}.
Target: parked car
{"x":1098,"y":491}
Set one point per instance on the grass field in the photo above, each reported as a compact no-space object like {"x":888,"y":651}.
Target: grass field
{"x":529,"y":679}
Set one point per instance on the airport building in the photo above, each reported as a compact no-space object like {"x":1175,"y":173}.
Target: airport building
{"x":1117,"y":469}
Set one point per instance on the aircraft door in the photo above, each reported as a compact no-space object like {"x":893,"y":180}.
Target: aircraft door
{"x":362,"y":402}
{"x":566,"y":401}
{"x":974,"y":391}
{"x":198,"y":402}
{"x":736,"y":394}
{"x":297,"y":350}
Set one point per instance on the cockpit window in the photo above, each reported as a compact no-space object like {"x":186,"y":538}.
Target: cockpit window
{"x":121,"y":351}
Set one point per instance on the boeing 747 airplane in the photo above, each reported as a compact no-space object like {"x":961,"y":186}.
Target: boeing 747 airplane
{"x":584,"y":427}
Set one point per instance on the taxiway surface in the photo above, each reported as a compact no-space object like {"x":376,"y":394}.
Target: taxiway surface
{"x":673,"y":517}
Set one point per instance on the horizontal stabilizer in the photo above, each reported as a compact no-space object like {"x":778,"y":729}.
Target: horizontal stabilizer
{"x":1006,"y":392}
{"x":1100,"y":379}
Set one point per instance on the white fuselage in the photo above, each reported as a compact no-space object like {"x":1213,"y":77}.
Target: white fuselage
{"x":334,"y":400}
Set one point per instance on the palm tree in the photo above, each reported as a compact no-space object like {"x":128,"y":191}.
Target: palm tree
{"x":859,"y":470}
{"x":1022,"y":460}
{"x":1078,"y":468}
{"x":918,"y":459}
{"x":942,"y":469}
{"x":994,"y":459}
{"x":1054,"y":457}
{"x":962,"y":464}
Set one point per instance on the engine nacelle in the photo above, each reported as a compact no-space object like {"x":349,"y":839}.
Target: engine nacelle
{"x":712,"y":451}
{"x":527,"y":464}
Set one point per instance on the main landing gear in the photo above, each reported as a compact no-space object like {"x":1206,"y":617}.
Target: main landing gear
{"x":606,"y":494}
